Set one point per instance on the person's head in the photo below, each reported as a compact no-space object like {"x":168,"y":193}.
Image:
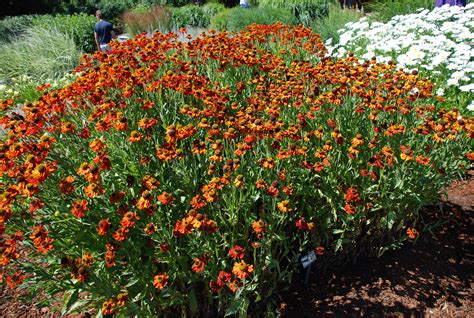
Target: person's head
{"x":98,"y":15}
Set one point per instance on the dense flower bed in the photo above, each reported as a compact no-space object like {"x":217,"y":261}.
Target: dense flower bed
{"x":438,"y":43}
{"x":174,"y":177}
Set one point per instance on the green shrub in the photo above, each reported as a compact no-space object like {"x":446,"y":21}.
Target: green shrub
{"x":305,"y":11}
{"x":337,"y":18}
{"x":113,"y":10}
{"x":173,"y":3}
{"x":79,"y":26}
{"x":195,"y":16}
{"x":42,"y":53}
{"x":157,"y":18}
{"x":384,"y":10}
{"x":236,"y":19}
{"x":13,"y":26}
{"x":211,"y":9}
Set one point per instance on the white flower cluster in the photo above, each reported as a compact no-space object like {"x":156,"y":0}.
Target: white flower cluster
{"x":440,"y":42}
{"x":14,"y":87}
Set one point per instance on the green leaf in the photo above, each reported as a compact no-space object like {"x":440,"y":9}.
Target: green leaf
{"x":133,"y":282}
{"x":193,"y":304}
{"x":391,"y":219}
{"x":78,"y":305}
{"x":69,"y":300}
{"x":338,"y":231}
{"x":234,"y":308}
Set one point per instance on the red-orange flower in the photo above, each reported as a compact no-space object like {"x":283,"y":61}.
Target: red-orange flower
{"x":103,"y":227}
{"x":79,"y":207}
{"x":242,"y":270}
{"x":165,"y":198}
{"x":284,"y":206}
{"x":236,"y":252}
{"x":65,"y":185}
{"x":93,"y":190}
{"x":198,"y":265}
{"x":160,"y":280}
{"x":412,"y":233}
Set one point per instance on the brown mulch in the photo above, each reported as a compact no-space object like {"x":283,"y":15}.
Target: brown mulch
{"x":432,"y":278}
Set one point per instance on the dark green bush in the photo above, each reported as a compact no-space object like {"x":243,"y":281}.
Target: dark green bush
{"x":237,"y":18}
{"x":13,"y":26}
{"x":79,"y":26}
{"x":173,"y":3}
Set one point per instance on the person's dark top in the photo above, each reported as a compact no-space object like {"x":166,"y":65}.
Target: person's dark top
{"x":104,"y":31}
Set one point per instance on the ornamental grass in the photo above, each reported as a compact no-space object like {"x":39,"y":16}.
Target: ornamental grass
{"x":175,"y":178}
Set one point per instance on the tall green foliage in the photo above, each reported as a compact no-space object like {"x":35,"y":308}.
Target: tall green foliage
{"x":42,"y":53}
{"x":13,"y":26}
{"x":337,"y":18}
{"x":305,"y":11}
{"x":237,"y":18}
{"x":195,"y":16}
{"x":79,"y":26}
{"x":384,"y":10}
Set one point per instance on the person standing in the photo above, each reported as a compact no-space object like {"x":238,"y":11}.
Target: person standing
{"x":440,"y":3}
{"x":103,"y":33}
{"x":244,"y":4}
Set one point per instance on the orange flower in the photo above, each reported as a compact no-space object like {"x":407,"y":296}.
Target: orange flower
{"x":165,"y":198}
{"x":150,"y":228}
{"x":319,"y":250}
{"x":422,"y":160}
{"x":93,"y":173}
{"x":242,"y":270}
{"x":40,"y":239}
{"x":259,"y":226}
{"x":160,"y":280}
{"x":103,"y":227}
{"x":352,"y":195}
{"x":68,"y":127}
{"x":198,"y":265}
{"x":239,"y":181}
{"x":79,"y":207}
{"x":350,"y":209}
{"x":150,"y":183}
{"x":120,"y":234}
{"x":108,"y":307}
{"x":412,"y":233}
{"x":147,"y":123}
{"x":267,"y":163}
{"x":65,"y":185}
{"x":145,"y":200}
{"x":302,"y":225}
{"x":121,"y":123}
{"x":284,"y":206}
{"x":93,"y":190}
{"x":97,"y":145}
{"x":135,"y":136}
{"x":236,"y":252}
{"x":122,"y":299}
{"x":260,"y":184}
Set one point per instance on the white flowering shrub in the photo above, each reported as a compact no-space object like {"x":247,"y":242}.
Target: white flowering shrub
{"x":25,"y":88}
{"x":437,"y":43}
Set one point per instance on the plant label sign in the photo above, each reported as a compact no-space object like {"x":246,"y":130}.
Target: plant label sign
{"x":308,"y":259}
